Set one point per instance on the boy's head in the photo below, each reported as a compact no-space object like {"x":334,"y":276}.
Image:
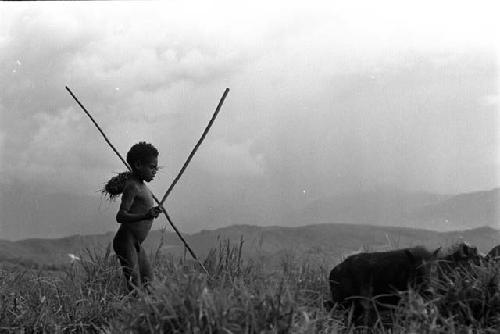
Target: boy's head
{"x":143,"y":159}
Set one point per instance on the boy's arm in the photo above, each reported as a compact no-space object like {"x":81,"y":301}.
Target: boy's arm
{"x":123,"y":215}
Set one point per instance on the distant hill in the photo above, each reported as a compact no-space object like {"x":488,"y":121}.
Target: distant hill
{"x":28,"y":212}
{"x":385,"y":206}
{"x":324,"y":241}
{"x":321,"y":227}
{"x":475,"y":209}
{"x":380,"y":206}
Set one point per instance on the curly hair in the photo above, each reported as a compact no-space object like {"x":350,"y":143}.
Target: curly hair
{"x":141,"y":152}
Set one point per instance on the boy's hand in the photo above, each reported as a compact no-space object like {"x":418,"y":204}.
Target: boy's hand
{"x":154,"y":212}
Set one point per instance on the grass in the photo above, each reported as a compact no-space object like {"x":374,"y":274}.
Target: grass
{"x":240,"y":296}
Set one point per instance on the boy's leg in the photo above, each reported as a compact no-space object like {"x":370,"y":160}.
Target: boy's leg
{"x":145,"y":267}
{"x":123,"y":245}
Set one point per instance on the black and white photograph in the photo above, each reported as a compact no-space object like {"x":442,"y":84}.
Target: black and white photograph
{"x":250,"y":166}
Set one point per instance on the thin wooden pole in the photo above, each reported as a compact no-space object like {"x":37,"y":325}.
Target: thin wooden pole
{"x":188,"y":160}
{"x":128,"y":167}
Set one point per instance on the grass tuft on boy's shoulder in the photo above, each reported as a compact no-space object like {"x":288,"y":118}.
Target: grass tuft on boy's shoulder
{"x":114,"y":187}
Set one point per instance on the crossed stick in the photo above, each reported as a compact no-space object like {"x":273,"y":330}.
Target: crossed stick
{"x":174,"y":182}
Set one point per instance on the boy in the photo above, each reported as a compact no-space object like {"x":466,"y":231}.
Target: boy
{"x":136,"y":215}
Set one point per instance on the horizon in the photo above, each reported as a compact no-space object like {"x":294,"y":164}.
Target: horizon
{"x":263,"y":227}
{"x":213,"y":228}
{"x":326,"y":100}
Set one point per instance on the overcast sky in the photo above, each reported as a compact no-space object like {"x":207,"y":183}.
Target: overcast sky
{"x":326,"y":97}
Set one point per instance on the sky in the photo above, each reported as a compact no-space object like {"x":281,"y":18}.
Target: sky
{"x":326,"y":97}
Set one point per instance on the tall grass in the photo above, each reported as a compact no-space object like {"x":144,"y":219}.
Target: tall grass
{"x":77,"y":298}
{"x":240,"y":295}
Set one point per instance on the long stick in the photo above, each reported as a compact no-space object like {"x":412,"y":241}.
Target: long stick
{"x":214,"y":116}
{"x":128,"y":167}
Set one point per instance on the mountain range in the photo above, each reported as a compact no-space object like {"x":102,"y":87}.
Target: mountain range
{"x":33,"y":213}
{"x":327,"y":242}
{"x":410,"y":209}
{"x":331,"y":226}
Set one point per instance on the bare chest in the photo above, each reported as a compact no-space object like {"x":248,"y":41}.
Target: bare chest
{"x":143,"y":198}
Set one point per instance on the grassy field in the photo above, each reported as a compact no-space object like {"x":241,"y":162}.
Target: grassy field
{"x":241,"y":295}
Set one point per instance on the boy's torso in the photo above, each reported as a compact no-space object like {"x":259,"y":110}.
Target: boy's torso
{"x":143,"y":202}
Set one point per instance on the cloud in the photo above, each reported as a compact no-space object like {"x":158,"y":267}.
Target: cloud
{"x":490,"y":101}
{"x":386,"y":126}
{"x":40,"y":44}
{"x":97,"y":57}
{"x":129,"y":72}
{"x":59,"y":154}
{"x":231,"y":160}
{"x":2,"y":148}
{"x":324,"y":97}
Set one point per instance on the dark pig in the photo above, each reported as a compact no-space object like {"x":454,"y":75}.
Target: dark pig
{"x":367,"y":275}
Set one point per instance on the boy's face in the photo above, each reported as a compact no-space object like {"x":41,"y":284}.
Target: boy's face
{"x":147,"y":170}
